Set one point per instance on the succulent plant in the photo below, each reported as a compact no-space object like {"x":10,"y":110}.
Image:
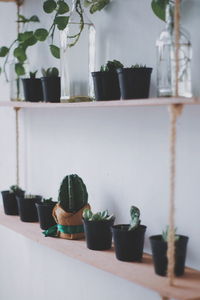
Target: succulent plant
{"x":137,"y":66}
{"x":73,"y":193}
{"x":99,"y":216}
{"x":47,"y":201}
{"x":50,"y":72}
{"x":30,"y":196}
{"x":165,"y":234}
{"x":111,"y":66}
{"x":16,"y":190}
{"x":135,"y":218}
{"x":32,"y":74}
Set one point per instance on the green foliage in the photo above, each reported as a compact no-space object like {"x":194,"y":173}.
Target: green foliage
{"x":33,"y":74}
{"x":137,"y":66}
{"x":96,"y":5}
{"x":49,"y":6}
{"x":111,"y":66}
{"x":135,"y":218}
{"x":73,"y":193}
{"x":50,"y":72}
{"x":99,"y":216}
{"x":159,"y":7}
{"x":16,"y":189}
{"x":30,"y":196}
{"x":55,"y":51}
{"x":165,"y":234}
{"x":47,"y":201}
{"x":20,"y":45}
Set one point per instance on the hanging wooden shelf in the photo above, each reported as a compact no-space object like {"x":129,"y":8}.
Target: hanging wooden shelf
{"x":114,"y":103}
{"x":186,"y":287}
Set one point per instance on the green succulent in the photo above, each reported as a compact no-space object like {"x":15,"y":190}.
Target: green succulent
{"x":47,"y":201}
{"x":50,"y":72}
{"x":137,"y":66}
{"x":111,"y":66}
{"x":135,"y":218}
{"x":16,"y":189}
{"x":165,"y":234}
{"x":33,"y":74}
{"x":99,"y":216}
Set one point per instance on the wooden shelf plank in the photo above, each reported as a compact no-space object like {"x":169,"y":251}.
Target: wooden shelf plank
{"x":115,"y":103}
{"x":186,"y":287}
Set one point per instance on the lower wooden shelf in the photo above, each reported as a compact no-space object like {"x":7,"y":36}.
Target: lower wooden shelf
{"x":185,"y":288}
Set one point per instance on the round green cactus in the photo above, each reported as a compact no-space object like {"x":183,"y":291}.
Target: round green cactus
{"x":73,"y":193}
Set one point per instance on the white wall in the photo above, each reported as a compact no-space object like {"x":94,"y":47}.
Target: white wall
{"x":121,"y":154}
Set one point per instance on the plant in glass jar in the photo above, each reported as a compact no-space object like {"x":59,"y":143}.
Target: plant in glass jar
{"x":166,"y":53}
{"x":18,"y":53}
{"x":77,"y":39}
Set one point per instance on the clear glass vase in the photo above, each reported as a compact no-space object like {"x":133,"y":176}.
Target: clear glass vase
{"x":166,"y":62}
{"x":77,"y":56}
{"x":15,"y":81}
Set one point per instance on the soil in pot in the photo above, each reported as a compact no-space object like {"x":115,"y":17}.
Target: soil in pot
{"x":98,"y":234}
{"x":51,"y":89}
{"x":10,"y":202}
{"x":134,"y":82}
{"x":159,"y":252}
{"x":27,"y":208}
{"x":44,"y":211}
{"x":106,"y":86}
{"x":129,"y":244}
{"x":32,"y":89}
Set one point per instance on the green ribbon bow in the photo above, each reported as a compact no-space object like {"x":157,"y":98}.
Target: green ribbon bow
{"x":52,"y":231}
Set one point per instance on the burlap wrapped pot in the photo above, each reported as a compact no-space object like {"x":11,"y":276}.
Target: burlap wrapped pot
{"x":72,"y":220}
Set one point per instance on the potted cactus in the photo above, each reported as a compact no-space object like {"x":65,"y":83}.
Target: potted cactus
{"x":10,"y":200}
{"x":27,"y":208}
{"x":134,"y":82}
{"x":51,"y":85}
{"x":32,"y":88}
{"x":129,"y":238}
{"x":72,"y":200}
{"x":97,"y":229}
{"x":44,"y":210}
{"x":106,"y":84}
{"x":159,"y":252}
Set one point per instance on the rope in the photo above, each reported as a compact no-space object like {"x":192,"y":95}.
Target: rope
{"x":17,"y":143}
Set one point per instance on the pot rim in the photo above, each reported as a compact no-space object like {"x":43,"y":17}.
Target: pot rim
{"x":116,"y":227}
{"x":120,"y":70}
{"x":99,"y":222}
{"x":158,"y":237}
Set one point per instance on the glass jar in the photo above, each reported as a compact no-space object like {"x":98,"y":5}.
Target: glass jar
{"x":166,"y":62}
{"x":77,"y":56}
{"x":15,"y":81}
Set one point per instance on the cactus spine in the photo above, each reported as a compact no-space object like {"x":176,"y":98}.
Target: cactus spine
{"x":73,"y":193}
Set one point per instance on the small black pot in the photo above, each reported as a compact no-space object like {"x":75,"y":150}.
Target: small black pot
{"x":128,"y":244}
{"x":106,"y":86}
{"x":98,"y":234}
{"x":10,"y":202}
{"x":51,"y":89}
{"x":27,"y":208}
{"x":32,"y":89}
{"x":134,"y":82}
{"x":159,"y":252}
{"x":45,"y":215}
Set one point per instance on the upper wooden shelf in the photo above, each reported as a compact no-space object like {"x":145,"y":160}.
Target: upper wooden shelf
{"x":114,"y":103}
{"x":185,"y":288}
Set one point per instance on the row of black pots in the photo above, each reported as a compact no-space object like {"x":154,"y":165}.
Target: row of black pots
{"x":45,"y":89}
{"x":125,"y":83}
{"x":129,"y":244}
{"x":29,"y":209}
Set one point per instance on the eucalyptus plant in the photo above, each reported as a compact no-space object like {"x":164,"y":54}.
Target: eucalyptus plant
{"x":25,"y":39}
{"x":61,"y":12}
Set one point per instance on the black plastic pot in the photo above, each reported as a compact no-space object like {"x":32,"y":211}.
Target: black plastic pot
{"x":134,"y":82}
{"x":27,"y":208}
{"x":32,"y":89}
{"x":98,"y":234}
{"x":51,"y":89}
{"x":159,"y":252}
{"x":10,"y":202}
{"x":45,"y":215}
{"x":128,"y":244}
{"x":106,"y":86}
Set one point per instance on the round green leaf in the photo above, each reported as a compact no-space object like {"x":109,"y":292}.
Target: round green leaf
{"x":55,"y":51}
{"x":20,"y":54}
{"x":3,"y":51}
{"x":30,"y":42}
{"x":41,"y":34}
{"x":159,"y":7}
{"x":25,"y":36}
{"x":34,"y":19}
{"x":49,"y":6}
{"x":19,"y":69}
{"x":62,"y":7}
{"x":61,"y":22}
